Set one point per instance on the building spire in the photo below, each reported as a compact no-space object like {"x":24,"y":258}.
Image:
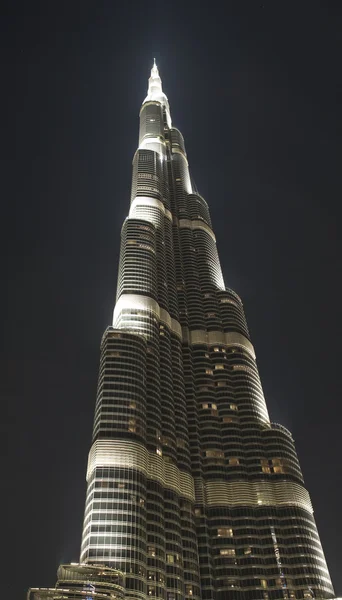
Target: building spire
{"x":155,"y":91}
{"x":154,"y":70}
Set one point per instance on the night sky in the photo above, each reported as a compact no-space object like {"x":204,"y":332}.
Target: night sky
{"x":254,"y":89}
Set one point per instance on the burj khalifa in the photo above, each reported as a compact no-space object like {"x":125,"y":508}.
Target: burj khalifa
{"x":192,"y":492}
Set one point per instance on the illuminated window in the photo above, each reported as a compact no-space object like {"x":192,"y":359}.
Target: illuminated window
{"x":248,"y":550}
{"x":264,"y":465}
{"x":263,"y":583}
{"x":227,"y":551}
{"x":132,"y":405}
{"x":278,"y":465}
{"x":188,"y":590}
{"x":151,"y":551}
{"x":208,"y":372}
{"x":214,"y":453}
{"x":198,"y":512}
{"x":241,"y":368}
{"x":132,"y":425}
{"x":233,"y":407}
{"x":234,"y":462}
{"x":159,"y":451}
{"x":219,"y":367}
{"x":225,"y":532}
{"x":170,"y":558}
{"x":216,"y":349}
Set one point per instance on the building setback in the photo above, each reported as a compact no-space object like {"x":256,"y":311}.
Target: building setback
{"x":192,"y":492}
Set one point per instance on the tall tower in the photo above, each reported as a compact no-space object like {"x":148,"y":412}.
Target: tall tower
{"x":192,"y":492}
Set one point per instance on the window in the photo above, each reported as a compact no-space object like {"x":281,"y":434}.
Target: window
{"x":188,"y":590}
{"x":214,"y":454}
{"x":151,"y":551}
{"x":234,"y":462}
{"x":278,"y":470}
{"x":278,"y":465}
{"x":228,"y":301}
{"x":170,"y":558}
{"x":225,"y":532}
{"x":209,"y":405}
{"x":208,"y":372}
{"x":216,"y":349}
{"x":248,"y":550}
{"x":263,"y":583}
{"x":132,"y":425}
{"x":233,"y":407}
{"x":159,"y":451}
{"x":227,"y":551}
{"x":219,"y":367}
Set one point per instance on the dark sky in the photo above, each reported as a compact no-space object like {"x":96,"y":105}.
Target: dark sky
{"x":254,"y":89}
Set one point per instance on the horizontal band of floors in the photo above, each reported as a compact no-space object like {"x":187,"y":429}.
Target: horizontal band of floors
{"x":252,"y":493}
{"x":72,"y":593}
{"x":239,"y":584}
{"x":148,"y":202}
{"x":192,"y":337}
{"x":133,"y":455}
{"x":127,"y":454}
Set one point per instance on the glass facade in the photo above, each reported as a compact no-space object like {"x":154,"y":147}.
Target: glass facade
{"x":192,"y":492}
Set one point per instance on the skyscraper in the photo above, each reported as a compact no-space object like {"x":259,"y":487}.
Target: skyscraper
{"x":192,"y":492}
